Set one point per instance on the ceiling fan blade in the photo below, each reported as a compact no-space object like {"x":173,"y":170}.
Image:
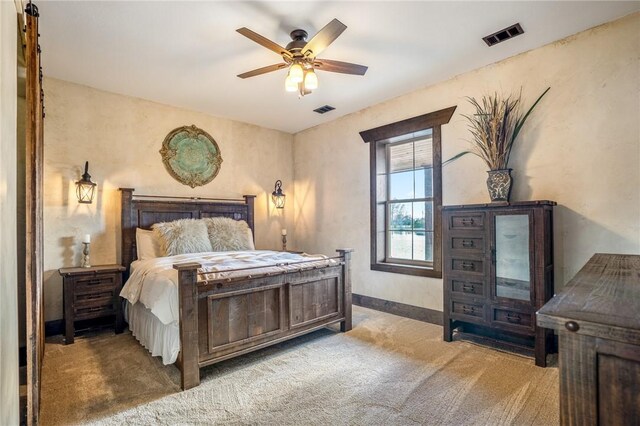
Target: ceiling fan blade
{"x":324,"y":38}
{"x":338,"y":66}
{"x":263,"y":41}
{"x":262,"y":70}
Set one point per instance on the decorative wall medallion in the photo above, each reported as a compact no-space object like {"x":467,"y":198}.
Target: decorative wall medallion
{"x":191,"y":156}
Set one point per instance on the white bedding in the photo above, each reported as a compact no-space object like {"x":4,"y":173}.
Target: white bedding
{"x":160,"y":339}
{"x":153,"y":282}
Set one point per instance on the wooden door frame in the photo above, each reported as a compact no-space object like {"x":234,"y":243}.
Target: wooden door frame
{"x":34,"y":213}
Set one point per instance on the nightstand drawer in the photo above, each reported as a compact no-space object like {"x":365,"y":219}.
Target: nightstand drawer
{"x":95,"y":283}
{"x":89,"y":312}
{"x":94,"y":298}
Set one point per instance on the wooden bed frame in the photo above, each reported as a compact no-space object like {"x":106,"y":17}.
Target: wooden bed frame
{"x":224,"y":318}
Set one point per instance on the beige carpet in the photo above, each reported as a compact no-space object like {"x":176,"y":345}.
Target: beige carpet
{"x":387,"y":370}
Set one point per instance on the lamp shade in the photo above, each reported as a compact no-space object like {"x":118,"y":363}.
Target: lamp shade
{"x":296,"y":73}
{"x":85,"y":189}
{"x":310,"y":80}
{"x":289,"y":85}
{"x":278,"y":196}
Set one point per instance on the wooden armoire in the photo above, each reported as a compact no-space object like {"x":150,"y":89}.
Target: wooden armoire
{"x":498,"y":271}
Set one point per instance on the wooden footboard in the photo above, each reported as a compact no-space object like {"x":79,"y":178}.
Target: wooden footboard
{"x":221,"y":319}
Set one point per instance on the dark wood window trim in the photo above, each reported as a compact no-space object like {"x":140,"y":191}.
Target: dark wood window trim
{"x":433,"y":121}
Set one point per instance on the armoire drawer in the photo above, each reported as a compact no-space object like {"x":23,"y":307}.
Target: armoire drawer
{"x":466,"y":221}
{"x":464,"y":264}
{"x":466,"y":287}
{"x":510,"y":319}
{"x":468,"y":311}
{"x":473,"y":243}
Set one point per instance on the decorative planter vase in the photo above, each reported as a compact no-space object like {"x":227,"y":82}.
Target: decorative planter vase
{"x":499,"y":184}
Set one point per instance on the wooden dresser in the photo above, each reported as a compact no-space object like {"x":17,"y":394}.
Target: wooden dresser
{"x":597,"y":317}
{"x":498,"y":271}
{"x":91,"y":293}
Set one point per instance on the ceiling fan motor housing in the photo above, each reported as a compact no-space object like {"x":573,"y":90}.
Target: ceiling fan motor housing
{"x":299,"y":38}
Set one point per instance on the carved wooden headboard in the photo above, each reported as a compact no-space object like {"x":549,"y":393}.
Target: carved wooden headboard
{"x":142,"y":211}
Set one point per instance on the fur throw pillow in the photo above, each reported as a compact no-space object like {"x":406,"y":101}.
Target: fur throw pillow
{"x":226,"y":234}
{"x":183,"y":236}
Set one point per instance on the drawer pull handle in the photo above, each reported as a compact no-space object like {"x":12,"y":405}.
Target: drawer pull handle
{"x":572,"y":326}
{"x":467,"y":243}
{"x":468,"y":221}
{"x":469,"y":266}
{"x":514,"y":318}
{"x":468,"y":310}
{"x":94,"y":282}
{"x":94,"y":309}
{"x":467,"y":288}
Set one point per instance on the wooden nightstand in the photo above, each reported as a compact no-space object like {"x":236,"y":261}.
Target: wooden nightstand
{"x":91,"y":293}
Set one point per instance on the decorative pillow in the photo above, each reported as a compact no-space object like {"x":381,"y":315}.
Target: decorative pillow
{"x":147,"y":244}
{"x":183,"y":236}
{"x":250,"y":242}
{"x":226,"y":234}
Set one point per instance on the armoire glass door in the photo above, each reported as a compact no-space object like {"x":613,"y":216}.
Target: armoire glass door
{"x":512,"y":257}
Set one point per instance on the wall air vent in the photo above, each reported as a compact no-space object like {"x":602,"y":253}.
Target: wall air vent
{"x":324,"y":109}
{"x":502,"y":35}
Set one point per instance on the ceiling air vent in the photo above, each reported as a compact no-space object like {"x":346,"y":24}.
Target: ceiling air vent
{"x":502,"y":35}
{"x":324,"y":109}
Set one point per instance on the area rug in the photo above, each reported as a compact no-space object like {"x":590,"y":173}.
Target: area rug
{"x":387,"y":371}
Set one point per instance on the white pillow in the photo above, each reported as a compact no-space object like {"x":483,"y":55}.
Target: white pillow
{"x":147,"y":244}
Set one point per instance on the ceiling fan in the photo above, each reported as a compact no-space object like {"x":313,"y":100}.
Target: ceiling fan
{"x":301,"y":57}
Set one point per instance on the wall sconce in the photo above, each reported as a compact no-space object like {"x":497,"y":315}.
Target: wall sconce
{"x":84,"y":187}
{"x":278,"y":196}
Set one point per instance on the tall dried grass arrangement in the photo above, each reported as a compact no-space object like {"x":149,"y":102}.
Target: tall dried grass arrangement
{"x":494,"y":126}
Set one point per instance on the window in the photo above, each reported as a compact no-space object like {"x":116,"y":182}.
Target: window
{"x":408,"y":177}
{"x":406,"y":193}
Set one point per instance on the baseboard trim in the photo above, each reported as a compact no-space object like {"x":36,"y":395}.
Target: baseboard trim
{"x":403,"y":310}
{"x":54,"y":328}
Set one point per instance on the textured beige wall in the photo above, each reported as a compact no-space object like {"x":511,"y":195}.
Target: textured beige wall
{"x":120,"y":136}
{"x":581,"y":148}
{"x":9,"y":405}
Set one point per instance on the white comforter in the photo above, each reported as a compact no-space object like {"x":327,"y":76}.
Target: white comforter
{"x":154,"y":281}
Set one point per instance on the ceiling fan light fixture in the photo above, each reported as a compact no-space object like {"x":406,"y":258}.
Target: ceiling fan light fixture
{"x":300,"y":57}
{"x":289,"y":85}
{"x":310,"y":80}
{"x":296,"y":73}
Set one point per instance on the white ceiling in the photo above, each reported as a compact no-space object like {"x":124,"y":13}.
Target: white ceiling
{"x":188,"y":54}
